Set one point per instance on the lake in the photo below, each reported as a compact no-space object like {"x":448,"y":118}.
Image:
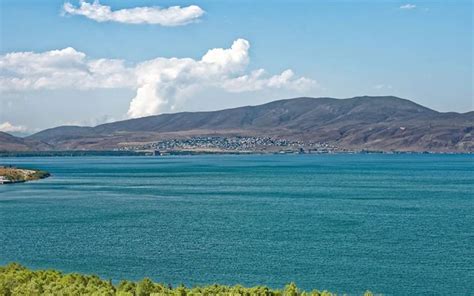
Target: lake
{"x":394,"y":224}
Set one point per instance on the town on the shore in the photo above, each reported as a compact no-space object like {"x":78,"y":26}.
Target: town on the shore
{"x":234,"y":144}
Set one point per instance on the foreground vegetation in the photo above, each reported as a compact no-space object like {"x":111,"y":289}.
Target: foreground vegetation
{"x":14,"y":175}
{"x":18,"y":280}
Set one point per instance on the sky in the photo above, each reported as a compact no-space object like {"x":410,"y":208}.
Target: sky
{"x":89,"y":62}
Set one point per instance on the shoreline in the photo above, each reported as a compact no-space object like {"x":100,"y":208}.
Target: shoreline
{"x":151,"y":153}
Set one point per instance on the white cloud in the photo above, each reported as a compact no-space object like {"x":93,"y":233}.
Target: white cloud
{"x":171,"y":16}
{"x":161,"y":83}
{"x":64,"y":68}
{"x":92,"y":121}
{"x":408,"y":6}
{"x":382,"y":86}
{"x":259,"y":80}
{"x":10,"y":128}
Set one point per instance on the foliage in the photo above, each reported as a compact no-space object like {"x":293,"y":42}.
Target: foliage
{"x":18,"y":280}
{"x":39,"y":175}
{"x":21,"y":175}
{"x":11,"y":174}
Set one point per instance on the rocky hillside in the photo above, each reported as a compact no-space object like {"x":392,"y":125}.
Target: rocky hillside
{"x":373,"y":123}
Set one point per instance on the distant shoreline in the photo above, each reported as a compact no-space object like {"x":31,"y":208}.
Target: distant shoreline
{"x":373,"y":123}
{"x":78,"y":153}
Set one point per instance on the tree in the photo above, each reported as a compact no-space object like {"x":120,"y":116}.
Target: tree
{"x":145,"y":287}
{"x":291,"y":290}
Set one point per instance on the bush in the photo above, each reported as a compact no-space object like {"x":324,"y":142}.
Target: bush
{"x":16,"y":279}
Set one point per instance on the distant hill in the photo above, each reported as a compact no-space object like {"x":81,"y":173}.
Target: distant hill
{"x":11,"y":143}
{"x":371,"y":123}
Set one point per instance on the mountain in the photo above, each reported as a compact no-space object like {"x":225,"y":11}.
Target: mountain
{"x":11,"y":143}
{"x":371,"y":123}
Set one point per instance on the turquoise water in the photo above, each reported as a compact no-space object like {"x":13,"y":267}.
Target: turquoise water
{"x":395,"y":224}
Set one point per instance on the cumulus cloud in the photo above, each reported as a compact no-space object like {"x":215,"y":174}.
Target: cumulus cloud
{"x":259,"y":80}
{"x":171,"y":16}
{"x":160,"y":83}
{"x":10,"y":128}
{"x":64,"y":68}
{"x":382,"y":86}
{"x":408,"y":6}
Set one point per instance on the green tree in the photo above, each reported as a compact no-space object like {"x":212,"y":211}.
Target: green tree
{"x":291,"y":290}
{"x":145,"y":287}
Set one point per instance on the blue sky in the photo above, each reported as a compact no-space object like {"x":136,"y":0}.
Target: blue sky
{"x":346,"y":48}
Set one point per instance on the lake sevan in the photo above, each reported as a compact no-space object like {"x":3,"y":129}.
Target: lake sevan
{"x":394,"y":224}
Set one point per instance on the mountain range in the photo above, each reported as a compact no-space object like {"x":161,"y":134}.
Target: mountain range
{"x":361,"y":123}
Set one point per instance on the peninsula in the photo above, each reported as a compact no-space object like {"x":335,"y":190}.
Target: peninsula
{"x":10,"y":175}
